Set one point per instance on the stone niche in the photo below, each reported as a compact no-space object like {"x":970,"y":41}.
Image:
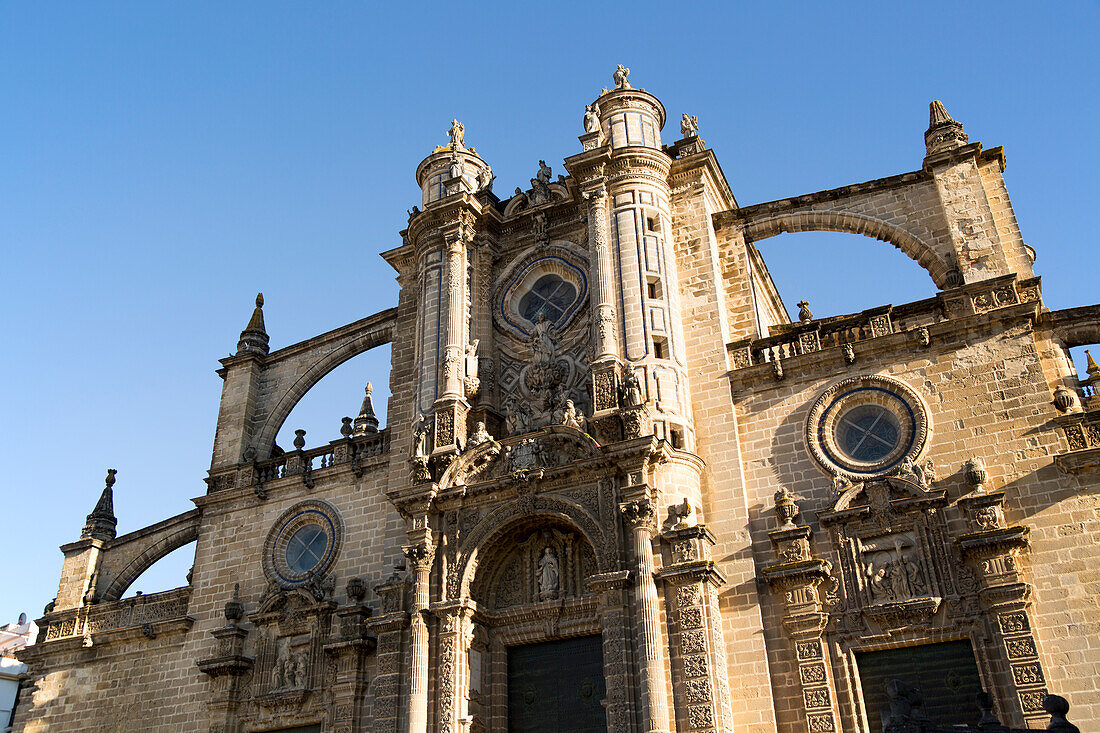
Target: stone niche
{"x":535,"y":565}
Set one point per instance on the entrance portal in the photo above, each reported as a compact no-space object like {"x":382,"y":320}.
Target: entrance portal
{"x":557,"y":687}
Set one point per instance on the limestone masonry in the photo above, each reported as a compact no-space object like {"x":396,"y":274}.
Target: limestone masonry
{"x":619,"y":490}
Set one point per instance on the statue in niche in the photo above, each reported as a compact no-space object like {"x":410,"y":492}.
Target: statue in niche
{"x":480,"y":435}
{"x":456,"y":133}
{"x":544,"y":345}
{"x":277,"y":677}
{"x":455,"y":170}
{"x":549,"y":576}
{"x":300,"y":671}
{"x":592,"y":118}
{"x":689,"y":126}
{"x":620,"y":77}
{"x":630,"y":392}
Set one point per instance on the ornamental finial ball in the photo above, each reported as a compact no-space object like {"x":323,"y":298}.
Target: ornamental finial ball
{"x":259,"y":300}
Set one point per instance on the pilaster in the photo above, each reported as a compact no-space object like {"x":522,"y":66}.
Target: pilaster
{"x":797,"y":574}
{"x":991,"y":547}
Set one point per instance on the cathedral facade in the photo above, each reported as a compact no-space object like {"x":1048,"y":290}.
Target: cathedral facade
{"x":619,"y":489}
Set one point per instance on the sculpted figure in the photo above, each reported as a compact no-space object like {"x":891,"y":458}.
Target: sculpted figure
{"x":516,"y":416}
{"x":591,"y":118}
{"x":485,"y":179}
{"x":420,"y":437}
{"x":689,"y":125}
{"x":548,"y":574}
{"x":455,"y":170}
{"x":544,"y":173}
{"x":620,"y":77}
{"x":543,"y":342}
{"x":573,"y":417}
{"x":456,"y":133}
{"x":300,"y":672}
{"x":631,"y":390}
{"x":481,"y":435}
{"x":277,"y":675}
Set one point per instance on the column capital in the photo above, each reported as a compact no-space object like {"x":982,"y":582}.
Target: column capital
{"x":639,"y":514}
{"x":420,"y":555}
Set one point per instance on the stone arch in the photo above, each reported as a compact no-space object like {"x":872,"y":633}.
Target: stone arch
{"x":511,"y":516}
{"x":311,"y":367}
{"x":161,"y":545}
{"x":848,"y":222}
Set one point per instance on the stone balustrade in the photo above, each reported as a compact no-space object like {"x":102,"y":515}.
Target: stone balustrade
{"x":304,"y":463}
{"x":793,"y":340}
{"x":140,"y":611}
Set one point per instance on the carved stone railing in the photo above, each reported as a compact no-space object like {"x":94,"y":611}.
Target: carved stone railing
{"x":306,"y":464}
{"x":138,"y":612}
{"x":1081,"y":432}
{"x":799,"y":339}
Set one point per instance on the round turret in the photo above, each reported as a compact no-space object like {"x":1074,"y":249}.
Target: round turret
{"x":452,"y":168}
{"x":630,"y":117}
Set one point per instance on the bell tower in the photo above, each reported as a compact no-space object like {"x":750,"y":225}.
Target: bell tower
{"x":442,"y":237}
{"x":638,"y":343}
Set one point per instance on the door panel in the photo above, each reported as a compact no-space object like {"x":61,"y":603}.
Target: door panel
{"x":557,"y":687}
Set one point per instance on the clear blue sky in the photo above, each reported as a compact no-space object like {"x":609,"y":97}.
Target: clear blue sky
{"x":160,"y":163}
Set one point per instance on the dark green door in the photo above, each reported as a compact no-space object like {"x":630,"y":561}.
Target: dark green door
{"x":945,"y":673}
{"x":556,"y":687}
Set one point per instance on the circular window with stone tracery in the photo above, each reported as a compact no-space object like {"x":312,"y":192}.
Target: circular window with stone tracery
{"x":303,"y":543}
{"x":553,"y":285}
{"x":866,"y":426}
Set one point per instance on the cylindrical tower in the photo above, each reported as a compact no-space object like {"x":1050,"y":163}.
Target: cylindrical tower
{"x":650,"y":333}
{"x":442,"y":236}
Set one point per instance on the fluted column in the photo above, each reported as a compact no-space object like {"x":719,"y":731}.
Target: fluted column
{"x":454,"y":336}
{"x":640,"y":517}
{"x":604,"y":341}
{"x":420,"y":558}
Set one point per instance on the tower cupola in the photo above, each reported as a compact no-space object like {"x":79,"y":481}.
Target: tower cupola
{"x":452,"y":168}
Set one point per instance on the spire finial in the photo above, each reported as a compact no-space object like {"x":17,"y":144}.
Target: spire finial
{"x":101,"y":523}
{"x":367,"y":422}
{"x":1091,"y":367}
{"x":943,"y":133}
{"x":254,"y":336}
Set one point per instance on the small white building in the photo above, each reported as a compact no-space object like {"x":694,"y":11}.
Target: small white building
{"x":13,"y":637}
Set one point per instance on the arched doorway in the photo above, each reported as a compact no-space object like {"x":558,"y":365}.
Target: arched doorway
{"x":536,"y":659}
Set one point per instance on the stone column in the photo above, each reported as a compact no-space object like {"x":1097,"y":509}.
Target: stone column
{"x":454,"y":335}
{"x":640,"y":517}
{"x":420,"y":558}
{"x":453,"y":673}
{"x":604,"y":342}
{"x":614,"y":630}
{"x":451,"y":407}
